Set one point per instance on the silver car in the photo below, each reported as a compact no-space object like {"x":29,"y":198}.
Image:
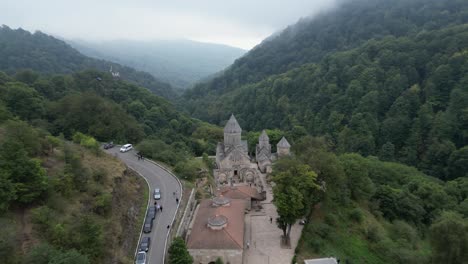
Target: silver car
{"x":141,"y":258}
{"x":157,"y":194}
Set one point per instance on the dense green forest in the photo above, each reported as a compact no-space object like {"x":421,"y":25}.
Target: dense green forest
{"x":20,"y":50}
{"x":97,"y":104}
{"x":363,"y":210}
{"x":348,"y":26}
{"x":402,"y":98}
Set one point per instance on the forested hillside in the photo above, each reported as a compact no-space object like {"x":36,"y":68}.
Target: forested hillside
{"x":62,"y":202}
{"x":70,"y":203}
{"x":178,"y":62}
{"x":19,"y":50}
{"x":370,"y":211}
{"x":400,"y":95}
{"x":348,"y":26}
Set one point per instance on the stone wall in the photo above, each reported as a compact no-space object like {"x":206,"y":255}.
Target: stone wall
{"x":205,"y":256}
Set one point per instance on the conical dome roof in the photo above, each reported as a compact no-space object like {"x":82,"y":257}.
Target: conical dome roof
{"x":232,"y":126}
{"x":264,"y":136}
{"x":283,"y":143}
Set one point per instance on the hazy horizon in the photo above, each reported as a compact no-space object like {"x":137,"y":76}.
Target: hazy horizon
{"x":240,"y":24}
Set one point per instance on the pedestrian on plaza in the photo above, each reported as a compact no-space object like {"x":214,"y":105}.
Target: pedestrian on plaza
{"x":160,"y":208}
{"x":271,"y":220}
{"x":168,"y":226}
{"x":157,"y":207}
{"x":155,"y":203}
{"x":248,"y":244}
{"x":177,"y":200}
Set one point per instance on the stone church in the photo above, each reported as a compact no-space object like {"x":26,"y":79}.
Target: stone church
{"x":218,"y":226}
{"x":233,"y":163}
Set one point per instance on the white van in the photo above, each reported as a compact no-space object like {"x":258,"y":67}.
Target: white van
{"x":126,"y":148}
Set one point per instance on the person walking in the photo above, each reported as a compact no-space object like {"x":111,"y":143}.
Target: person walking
{"x":160,"y":208}
{"x":177,"y":200}
{"x":168,"y":226}
{"x":271,"y":220}
{"x":157,"y":207}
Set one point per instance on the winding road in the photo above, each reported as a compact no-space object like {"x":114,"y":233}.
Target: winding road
{"x":156,"y":177}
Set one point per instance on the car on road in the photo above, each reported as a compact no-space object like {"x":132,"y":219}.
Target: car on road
{"x":145,"y":244}
{"x":157,"y":194}
{"x":126,"y":147}
{"x":109,"y":145}
{"x":151,"y":212}
{"x":148,"y":225}
{"x":141,"y":258}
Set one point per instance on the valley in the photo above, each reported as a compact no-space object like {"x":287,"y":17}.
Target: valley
{"x":339,"y":138}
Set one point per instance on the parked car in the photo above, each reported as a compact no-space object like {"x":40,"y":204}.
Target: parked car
{"x":157,"y":194}
{"x":148,"y":225}
{"x":126,"y":148}
{"x":151,"y":212}
{"x":145,"y":244}
{"x":109,"y":145}
{"x":141,"y":258}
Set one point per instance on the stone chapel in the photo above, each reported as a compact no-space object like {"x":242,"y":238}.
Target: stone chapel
{"x":233,"y":163}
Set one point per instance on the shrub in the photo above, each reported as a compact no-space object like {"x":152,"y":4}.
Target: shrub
{"x":331,"y":219}
{"x":356,"y":215}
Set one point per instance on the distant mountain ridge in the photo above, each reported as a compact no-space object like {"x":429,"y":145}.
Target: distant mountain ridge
{"x":181,"y":63}
{"x":20,"y":49}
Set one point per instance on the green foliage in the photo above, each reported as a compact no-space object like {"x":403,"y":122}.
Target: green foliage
{"x":7,"y":241}
{"x":86,"y":141}
{"x":23,"y":101}
{"x":449,"y":238}
{"x":189,"y":170}
{"x":46,"y":254}
{"x":294,"y":184}
{"x":178,"y":253}
{"x":355,"y":167}
{"x":219,"y":261}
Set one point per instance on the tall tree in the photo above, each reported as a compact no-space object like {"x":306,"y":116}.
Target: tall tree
{"x":449,"y":239}
{"x":178,"y":253}
{"x":294,"y":184}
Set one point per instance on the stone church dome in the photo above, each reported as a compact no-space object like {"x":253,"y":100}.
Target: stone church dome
{"x":232,"y":126}
{"x":221,"y":201}
{"x":217,"y":222}
{"x":283,"y":143}
{"x":264,"y":136}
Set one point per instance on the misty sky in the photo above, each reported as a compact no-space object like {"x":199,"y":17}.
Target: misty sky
{"x":240,"y":23}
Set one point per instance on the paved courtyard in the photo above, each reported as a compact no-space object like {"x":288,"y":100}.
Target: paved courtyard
{"x":265,"y":237}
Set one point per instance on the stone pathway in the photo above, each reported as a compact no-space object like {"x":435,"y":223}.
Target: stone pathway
{"x":265,"y":237}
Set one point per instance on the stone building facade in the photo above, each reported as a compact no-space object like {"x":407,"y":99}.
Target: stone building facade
{"x":233,"y":163}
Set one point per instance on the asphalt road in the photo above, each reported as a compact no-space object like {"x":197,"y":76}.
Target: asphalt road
{"x":156,"y":178}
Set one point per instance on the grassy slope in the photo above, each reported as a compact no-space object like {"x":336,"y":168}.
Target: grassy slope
{"x":346,"y":238}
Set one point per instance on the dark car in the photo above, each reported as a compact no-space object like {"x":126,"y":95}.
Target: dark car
{"x":145,"y":244}
{"x":148,"y":225}
{"x":151,"y":212}
{"x":109,"y":145}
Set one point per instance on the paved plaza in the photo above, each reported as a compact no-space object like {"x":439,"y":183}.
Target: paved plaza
{"x":265,"y":237}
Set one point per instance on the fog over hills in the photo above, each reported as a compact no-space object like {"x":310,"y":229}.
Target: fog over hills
{"x":178,"y":62}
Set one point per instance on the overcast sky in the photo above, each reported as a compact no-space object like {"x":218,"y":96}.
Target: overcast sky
{"x":240,"y":23}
